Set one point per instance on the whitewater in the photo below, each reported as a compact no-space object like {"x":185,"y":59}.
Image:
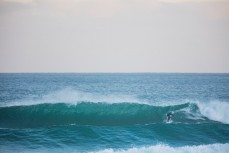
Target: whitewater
{"x":114,"y":112}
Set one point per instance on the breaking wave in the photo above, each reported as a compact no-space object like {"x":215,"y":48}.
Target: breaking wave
{"x":101,"y":114}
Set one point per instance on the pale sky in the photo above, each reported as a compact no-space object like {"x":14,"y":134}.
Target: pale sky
{"x":114,"y":36}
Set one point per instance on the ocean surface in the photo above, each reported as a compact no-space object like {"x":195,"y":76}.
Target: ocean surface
{"x":114,"y":112}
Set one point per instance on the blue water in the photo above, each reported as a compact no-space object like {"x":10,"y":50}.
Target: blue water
{"x":114,"y":112}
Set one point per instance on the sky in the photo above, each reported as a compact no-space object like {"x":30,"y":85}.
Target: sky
{"x":114,"y":36}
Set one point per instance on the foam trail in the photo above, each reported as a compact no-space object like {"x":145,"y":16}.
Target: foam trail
{"x":215,"y":110}
{"x":212,"y":148}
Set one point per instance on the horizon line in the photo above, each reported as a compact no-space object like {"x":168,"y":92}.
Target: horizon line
{"x":134,"y":72}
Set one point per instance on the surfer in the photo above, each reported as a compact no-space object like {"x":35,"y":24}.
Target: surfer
{"x":169,"y":116}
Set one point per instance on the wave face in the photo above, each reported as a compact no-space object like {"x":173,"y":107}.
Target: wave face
{"x":101,"y":114}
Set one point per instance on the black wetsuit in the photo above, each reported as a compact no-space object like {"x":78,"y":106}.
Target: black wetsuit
{"x":169,"y":116}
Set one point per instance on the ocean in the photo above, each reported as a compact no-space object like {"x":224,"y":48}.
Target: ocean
{"x":114,"y":112}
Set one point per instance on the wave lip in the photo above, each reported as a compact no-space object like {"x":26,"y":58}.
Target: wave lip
{"x":99,"y":114}
{"x":71,"y":96}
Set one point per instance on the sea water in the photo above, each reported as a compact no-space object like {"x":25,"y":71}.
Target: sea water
{"x":114,"y":112}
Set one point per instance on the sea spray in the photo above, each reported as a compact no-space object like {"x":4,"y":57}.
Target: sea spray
{"x":215,"y":110}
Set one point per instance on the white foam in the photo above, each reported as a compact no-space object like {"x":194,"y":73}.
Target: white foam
{"x":160,"y":148}
{"x":215,"y":110}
